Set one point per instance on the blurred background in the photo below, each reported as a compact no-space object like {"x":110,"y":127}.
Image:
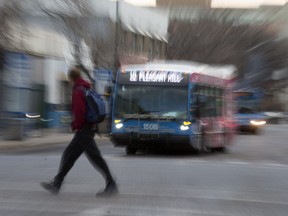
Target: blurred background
{"x":40,"y":40}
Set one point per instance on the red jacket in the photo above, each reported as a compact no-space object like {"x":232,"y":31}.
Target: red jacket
{"x":79,"y":104}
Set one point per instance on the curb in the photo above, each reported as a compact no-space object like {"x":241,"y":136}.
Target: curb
{"x":22,"y":145}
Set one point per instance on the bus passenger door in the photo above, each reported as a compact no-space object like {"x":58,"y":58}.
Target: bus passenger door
{"x":195,"y":106}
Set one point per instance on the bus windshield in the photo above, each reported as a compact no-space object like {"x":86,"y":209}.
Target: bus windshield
{"x":163,"y":102}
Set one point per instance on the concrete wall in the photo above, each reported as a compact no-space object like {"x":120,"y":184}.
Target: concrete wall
{"x":39,"y":40}
{"x":54,"y":71}
{"x":193,"y":3}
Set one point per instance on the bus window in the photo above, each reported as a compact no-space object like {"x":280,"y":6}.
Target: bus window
{"x":195,"y":93}
{"x":199,"y":101}
{"x":208,"y":100}
{"x":205,"y":102}
{"x":219,"y":101}
{"x":209,"y":103}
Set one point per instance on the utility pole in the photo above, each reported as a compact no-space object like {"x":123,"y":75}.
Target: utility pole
{"x":117,"y":25}
{"x":208,"y":3}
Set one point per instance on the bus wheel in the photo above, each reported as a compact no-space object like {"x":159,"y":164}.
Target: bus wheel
{"x":223,"y":149}
{"x":220,"y":149}
{"x":131,"y":151}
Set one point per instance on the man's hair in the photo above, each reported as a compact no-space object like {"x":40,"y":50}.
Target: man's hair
{"x":74,"y":74}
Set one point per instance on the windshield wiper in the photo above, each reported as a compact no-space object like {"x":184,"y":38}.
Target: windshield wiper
{"x":151,"y":116}
{"x":157,"y":117}
{"x":131,"y":116}
{"x":168,"y":117}
{"x":150,"y":111}
{"x":160,"y":117}
{"x":145,"y":116}
{"x":137,"y":116}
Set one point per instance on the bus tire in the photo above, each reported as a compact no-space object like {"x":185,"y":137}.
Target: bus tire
{"x":220,"y":149}
{"x":223,"y":149}
{"x":130,"y":151}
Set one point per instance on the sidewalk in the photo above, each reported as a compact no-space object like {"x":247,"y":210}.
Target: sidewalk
{"x":55,"y":138}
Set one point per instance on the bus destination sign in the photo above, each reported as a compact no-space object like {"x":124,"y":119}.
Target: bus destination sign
{"x":154,"y":76}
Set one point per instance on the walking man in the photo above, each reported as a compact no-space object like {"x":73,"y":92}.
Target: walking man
{"x":83,"y":141}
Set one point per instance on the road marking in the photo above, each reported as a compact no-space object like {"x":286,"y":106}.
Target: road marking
{"x":209,"y":198}
{"x":236,"y":162}
{"x":140,"y":210}
{"x":123,"y":194}
{"x":186,"y":161}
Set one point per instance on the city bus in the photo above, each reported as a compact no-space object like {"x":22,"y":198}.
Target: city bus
{"x":174,"y":105}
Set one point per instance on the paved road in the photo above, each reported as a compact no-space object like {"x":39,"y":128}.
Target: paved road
{"x":251,"y":179}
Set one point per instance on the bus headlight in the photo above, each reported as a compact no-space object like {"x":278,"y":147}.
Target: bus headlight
{"x":258,"y":122}
{"x":119,"y":126}
{"x":117,"y":121}
{"x":184,"y":127}
{"x":186,"y":123}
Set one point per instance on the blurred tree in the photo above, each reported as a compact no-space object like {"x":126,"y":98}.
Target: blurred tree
{"x":10,"y":13}
{"x":71,"y":18}
{"x":219,"y":41}
{"x":102,"y":41}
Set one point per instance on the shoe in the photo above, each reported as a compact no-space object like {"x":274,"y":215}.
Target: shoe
{"x":51,"y":187}
{"x":110,"y":190}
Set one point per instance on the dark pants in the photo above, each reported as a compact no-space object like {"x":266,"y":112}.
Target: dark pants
{"x":83,"y":141}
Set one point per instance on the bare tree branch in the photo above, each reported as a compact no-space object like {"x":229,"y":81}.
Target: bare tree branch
{"x":11,"y":12}
{"x":70,"y":17}
{"x":211,"y":41}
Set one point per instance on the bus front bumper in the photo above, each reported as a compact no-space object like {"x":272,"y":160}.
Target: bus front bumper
{"x":151,"y":141}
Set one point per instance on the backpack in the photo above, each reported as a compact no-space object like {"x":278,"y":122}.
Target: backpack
{"x":95,"y":105}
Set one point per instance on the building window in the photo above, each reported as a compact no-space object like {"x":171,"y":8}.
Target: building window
{"x":152,"y":48}
{"x":158,"y":45}
{"x":156,"y":49}
{"x":134,"y":42}
{"x":124,"y":38}
{"x":65,"y":96}
{"x":150,"y":52}
{"x":141,"y":43}
{"x":162,"y":49}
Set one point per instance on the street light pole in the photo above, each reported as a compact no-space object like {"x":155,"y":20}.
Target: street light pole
{"x":117,"y":23}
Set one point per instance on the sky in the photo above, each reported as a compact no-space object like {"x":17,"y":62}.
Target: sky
{"x":221,"y":3}
{"x":246,"y":3}
{"x":150,"y":3}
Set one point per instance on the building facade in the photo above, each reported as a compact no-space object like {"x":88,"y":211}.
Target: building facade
{"x":136,"y":35}
{"x":171,"y":3}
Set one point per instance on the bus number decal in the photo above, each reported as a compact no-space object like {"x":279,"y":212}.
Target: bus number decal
{"x":149,"y":126}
